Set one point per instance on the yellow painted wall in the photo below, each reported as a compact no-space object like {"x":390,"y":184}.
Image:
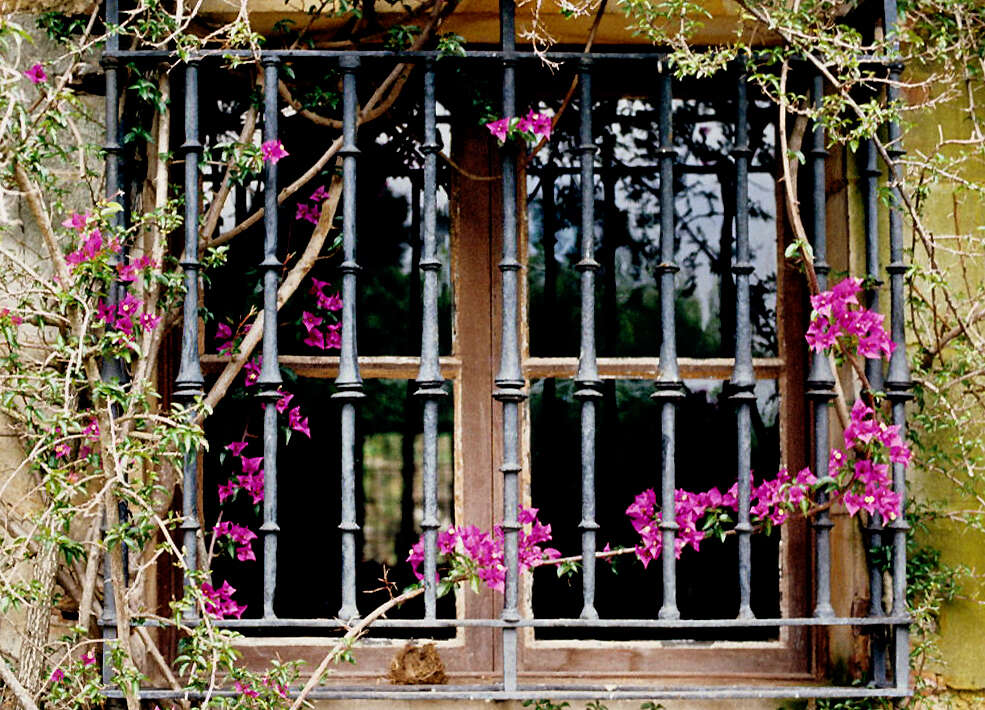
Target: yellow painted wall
{"x":951,"y":211}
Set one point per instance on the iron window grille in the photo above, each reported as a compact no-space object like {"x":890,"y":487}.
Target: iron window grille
{"x":888,"y":627}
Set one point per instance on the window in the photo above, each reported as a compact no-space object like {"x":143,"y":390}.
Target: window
{"x":558,"y":371}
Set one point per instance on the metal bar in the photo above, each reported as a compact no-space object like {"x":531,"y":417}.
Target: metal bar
{"x":509,"y":380}
{"x":743,"y":376}
{"x":349,"y":383}
{"x":334,"y":624}
{"x":622,"y":170}
{"x":668,"y":387}
{"x":484,"y":55}
{"x":870,"y":175}
{"x":588,"y":385}
{"x":111,"y":367}
{"x":898,"y":382}
{"x":820,"y":379}
{"x":873,"y":371}
{"x":429,"y":379}
{"x":189,"y":382}
{"x":555,"y":692}
{"x":108,"y":620}
{"x":270,"y":380}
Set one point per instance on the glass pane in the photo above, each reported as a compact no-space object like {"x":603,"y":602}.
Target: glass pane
{"x":390,"y":204}
{"x":627,"y":232}
{"x":627,"y":463}
{"x":388,"y":496}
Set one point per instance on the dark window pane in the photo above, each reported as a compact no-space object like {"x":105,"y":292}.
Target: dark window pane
{"x":627,"y":231}
{"x":388,"y":496}
{"x":628,"y":463}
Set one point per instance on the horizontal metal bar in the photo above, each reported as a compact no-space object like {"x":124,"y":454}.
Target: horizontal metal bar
{"x":647,"y":367}
{"x":642,"y":170}
{"x":533,"y":367}
{"x":555,"y":692}
{"x":565,"y":623}
{"x":328,"y":365}
{"x":422,"y":55}
{"x":407,"y":56}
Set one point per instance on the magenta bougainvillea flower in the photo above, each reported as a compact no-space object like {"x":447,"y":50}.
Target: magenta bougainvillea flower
{"x":236,"y":447}
{"x":58,"y":674}
{"x":36,"y":74}
{"x":245,"y":690}
{"x":500,"y":129}
{"x":284,"y":402}
{"x":251,"y":464}
{"x":273,"y":151}
{"x":531,"y":127}
{"x":298,"y":423}
{"x":219,"y":602}
{"x":483,"y":552}
{"x":77,"y":221}
{"x":837,"y":315}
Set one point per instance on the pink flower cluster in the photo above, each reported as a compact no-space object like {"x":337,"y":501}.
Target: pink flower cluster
{"x":239,"y":535}
{"x":14,"y":318}
{"x":870,"y":486}
{"x":90,"y":248}
{"x":251,"y":480}
{"x":91,"y":433}
{"x":226,"y":339}
{"x":531,"y":127}
{"x":294,"y":418}
{"x":250,"y":692}
{"x":311,"y":213}
{"x":273,"y":151}
{"x":483,"y":552}
{"x":770,"y":501}
{"x":128,"y":272}
{"x":331,"y":337}
{"x":124,"y":317}
{"x":834,"y":317}
{"x":645,"y":519}
{"x":219,"y":602}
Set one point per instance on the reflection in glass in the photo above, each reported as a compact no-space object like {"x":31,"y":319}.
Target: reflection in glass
{"x":628,"y":463}
{"x":627,"y":232}
{"x":390,"y":202}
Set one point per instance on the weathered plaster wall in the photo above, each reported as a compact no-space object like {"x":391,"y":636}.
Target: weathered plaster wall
{"x":951,"y":211}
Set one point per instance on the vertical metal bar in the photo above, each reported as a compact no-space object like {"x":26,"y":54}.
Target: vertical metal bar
{"x":820,"y":379}
{"x":898,"y":382}
{"x":188,"y":384}
{"x":743,"y":380}
{"x":509,"y":380}
{"x":588,"y":385}
{"x":349,"y":383}
{"x":668,"y":387}
{"x":873,"y":370}
{"x":270,"y":380}
{"x":870,"y":173}
{"x":429,"y":379}
{"x":108,"y":619}
{"x":110,"y":369}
